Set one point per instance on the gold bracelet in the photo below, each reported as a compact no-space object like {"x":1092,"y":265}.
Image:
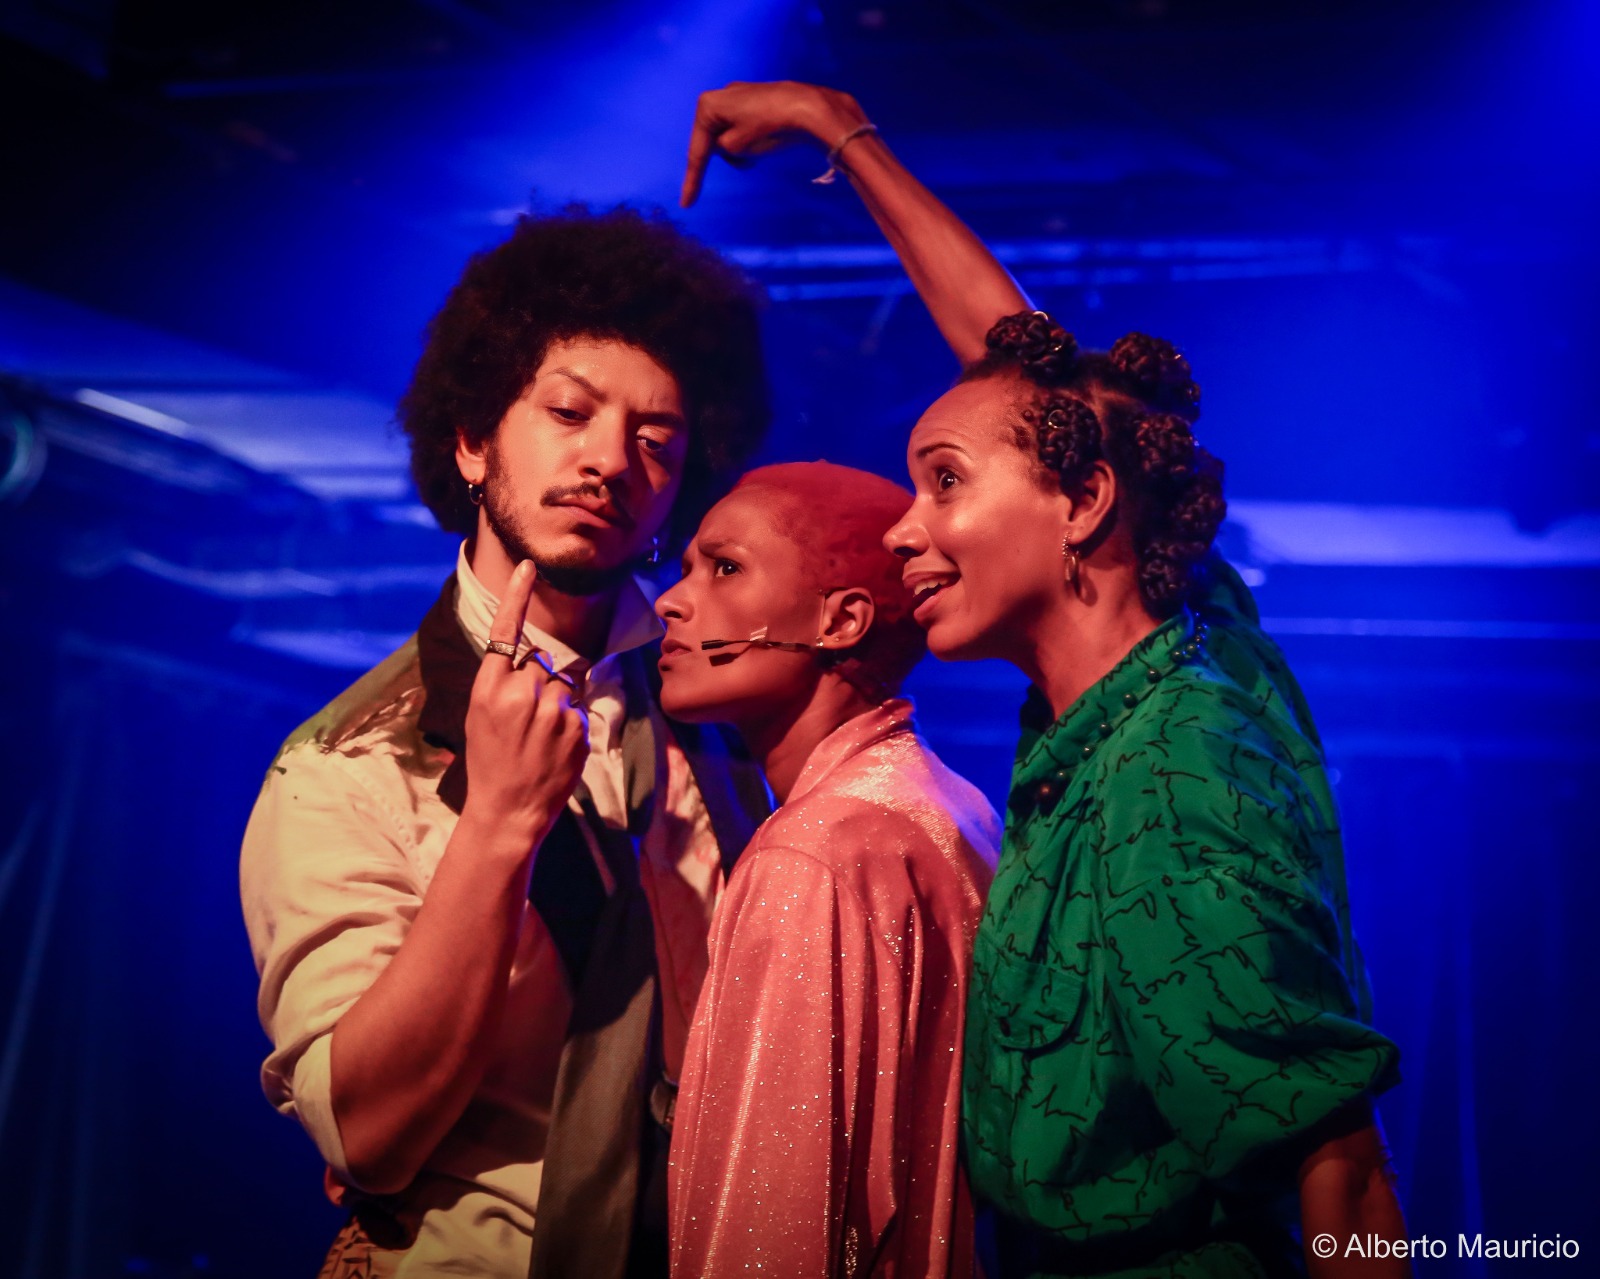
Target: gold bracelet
{"x":861,"y":130}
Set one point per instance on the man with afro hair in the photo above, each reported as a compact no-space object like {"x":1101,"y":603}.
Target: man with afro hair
{"x":473,"y":1036}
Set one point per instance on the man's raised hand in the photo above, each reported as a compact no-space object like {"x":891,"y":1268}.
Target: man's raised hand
{"x":527,"y":739}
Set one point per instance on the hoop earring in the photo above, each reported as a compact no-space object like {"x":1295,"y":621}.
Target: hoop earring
{"x":653,"y":559}
{"x":475,"y":494}
{"x":1070,"y":554}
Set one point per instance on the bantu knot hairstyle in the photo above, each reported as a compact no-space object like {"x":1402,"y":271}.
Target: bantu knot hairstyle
{"x":1144,"y":428}
{"x":1044,"y":349}
{"x":1159,"y":372}
{"x":1066,"y":435}
{"x":1180,"y":504}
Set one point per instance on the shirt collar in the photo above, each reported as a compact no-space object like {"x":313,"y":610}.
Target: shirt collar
{"x":633,"y":622}
{"x":1049,"y":752}
{"x":851,"y":738}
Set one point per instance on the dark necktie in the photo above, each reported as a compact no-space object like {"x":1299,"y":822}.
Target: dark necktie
{"x":588,"y":1198}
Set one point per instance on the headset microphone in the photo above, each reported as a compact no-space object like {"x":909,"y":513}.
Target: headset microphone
{"x":758,"y":639}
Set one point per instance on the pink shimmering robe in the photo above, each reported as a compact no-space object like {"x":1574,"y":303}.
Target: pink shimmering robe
{"x":816,"y":1131}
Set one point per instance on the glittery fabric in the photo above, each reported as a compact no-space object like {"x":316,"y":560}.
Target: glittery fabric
{"x":817,"y":1129}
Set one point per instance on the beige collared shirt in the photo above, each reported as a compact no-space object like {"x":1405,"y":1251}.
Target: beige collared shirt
{"x":338,"y":855}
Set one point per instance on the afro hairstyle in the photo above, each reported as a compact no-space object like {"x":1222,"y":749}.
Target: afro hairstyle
{"x":623,"y":275}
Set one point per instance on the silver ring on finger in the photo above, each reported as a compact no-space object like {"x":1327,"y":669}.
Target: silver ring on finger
{"x":503,"y":648}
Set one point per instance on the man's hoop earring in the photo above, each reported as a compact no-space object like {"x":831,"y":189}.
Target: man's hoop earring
{"x":475,"y":494}
{"x":1070,"y":554}
{"x":653,"y":559}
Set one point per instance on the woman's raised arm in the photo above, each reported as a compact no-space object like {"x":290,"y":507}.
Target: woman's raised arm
{"x":963,"y":285}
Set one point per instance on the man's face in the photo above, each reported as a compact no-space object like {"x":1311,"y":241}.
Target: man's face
{"x":582,"y":471}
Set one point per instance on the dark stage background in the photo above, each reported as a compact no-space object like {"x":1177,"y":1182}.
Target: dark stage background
{"x":222,"y":228}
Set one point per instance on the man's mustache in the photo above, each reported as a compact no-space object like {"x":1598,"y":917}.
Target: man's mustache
{"x":599,"y":494}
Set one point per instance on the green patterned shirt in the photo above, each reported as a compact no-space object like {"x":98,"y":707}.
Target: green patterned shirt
{"x":1167,"y":992}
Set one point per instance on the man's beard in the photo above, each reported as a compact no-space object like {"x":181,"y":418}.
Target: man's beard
{"x":568,"y":578}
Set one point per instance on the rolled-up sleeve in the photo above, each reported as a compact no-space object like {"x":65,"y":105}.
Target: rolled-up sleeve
{"x":328,"y":895}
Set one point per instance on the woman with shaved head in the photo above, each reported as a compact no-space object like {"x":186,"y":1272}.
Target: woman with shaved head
{"x":817,"y":1128}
